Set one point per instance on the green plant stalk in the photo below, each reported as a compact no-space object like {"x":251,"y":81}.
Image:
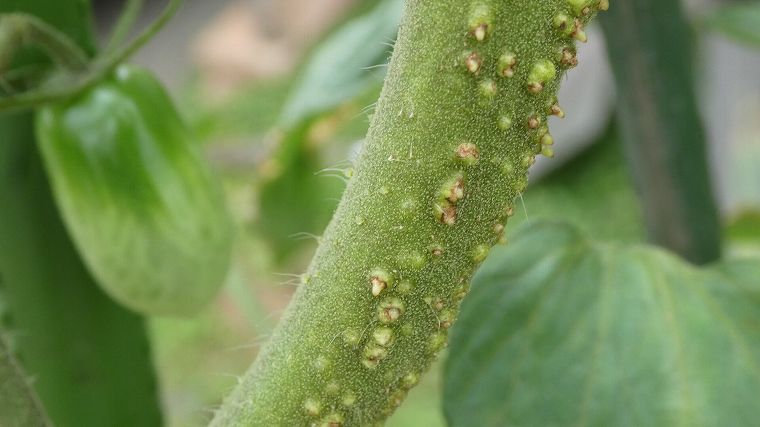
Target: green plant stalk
{"x":661,"y":129}
{"x":21,"y":29}
{"x":66,"y":85}
{"x":129,"y":14}
{"x":19,"y":405}
{"x":461,"y":118}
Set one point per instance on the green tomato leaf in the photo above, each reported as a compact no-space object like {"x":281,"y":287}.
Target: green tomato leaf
{"x":341,"y":67}
{"x":740,"y":22}
{"x":560,"y":330}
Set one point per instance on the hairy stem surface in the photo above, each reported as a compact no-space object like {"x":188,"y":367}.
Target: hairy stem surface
{"x":461,"y":118}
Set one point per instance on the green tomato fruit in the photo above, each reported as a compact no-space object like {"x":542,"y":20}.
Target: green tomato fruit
{"x":138,"y":198}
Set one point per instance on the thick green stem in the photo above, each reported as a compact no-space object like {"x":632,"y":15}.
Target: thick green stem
{"x":650,"y":48}
{"x":461,"y":118}
{"x":19,"y":405}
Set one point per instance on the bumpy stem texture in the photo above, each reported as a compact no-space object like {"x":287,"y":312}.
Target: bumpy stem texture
{"x":461,"y":118}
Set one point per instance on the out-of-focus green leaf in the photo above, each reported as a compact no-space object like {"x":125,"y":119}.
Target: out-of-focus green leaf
{"x":560,"y":330}
{"x":341,"y":67}
{"x":90,"y":358}
{"x":145,"y":210}
{"x":293,"y":198}
{"x":593,"y":192}
{"x":19,"y":406}
{"x":745,"y":227}
{"x":250,"y":111}
{"x":740,"y":22}
{"x":296,"y":200}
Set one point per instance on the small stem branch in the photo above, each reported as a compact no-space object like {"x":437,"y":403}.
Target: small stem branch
{"x":125,"y":23}
{"x":74,"y":83}
{"x":21,"y":29}
{"x":650,"y":49}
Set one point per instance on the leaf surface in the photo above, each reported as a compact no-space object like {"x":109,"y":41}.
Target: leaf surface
{"x":563,"y":331}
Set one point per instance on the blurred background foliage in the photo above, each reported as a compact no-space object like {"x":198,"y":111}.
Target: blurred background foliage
{"x":281,"y":92}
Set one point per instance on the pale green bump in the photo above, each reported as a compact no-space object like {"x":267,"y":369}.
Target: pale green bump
{"x":359,"y":220}
{"x":563,"y":23}
{"x":348,"y":399}
{"x":505,"y":122}
{"x":332,"y":388}
{"x":488,"y":88}
{"x":383,"y":336}
{"x":349,"y":172}
{"x":555,"y":109}
{"x":446,"y":318}
{"x":453,"y":188}
{"x":467,"y":153}
{"x":321,"y":363}
{"x":436,"y":303}
{"x":498,"y":231}
{"x":396,"y":398}
{"x":547,"y":140}
{"x":445,"y":212}
{"x":568,"y":57}
{"x":521,"y":184}
{"x":389,"y":310}
{"x":333,"y":420}
{"x":472,"y":62}
{"x":436,"y":249}
{"x":373,"y":355}
{"x":507,"y":168}
{"x":404,"y":287}
{"x":579,"y":6}
{"x":352,"y":336}
{"x":312,"y":407}
{"x":437,"y":341}
{"x":547,"y":151}
{"x":409,"y":206}
{"x":384,"y":190}
{"x":411,"y":259}
{"x":410,"y":380}
{"x":480,"y":253}
{"x":461,"y":291}
{"x":379,"y":280}
{"x":542,"y":72}
{"x":534,"y":121}
{"x":480,"y":21}
{"x":506,"y":65}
